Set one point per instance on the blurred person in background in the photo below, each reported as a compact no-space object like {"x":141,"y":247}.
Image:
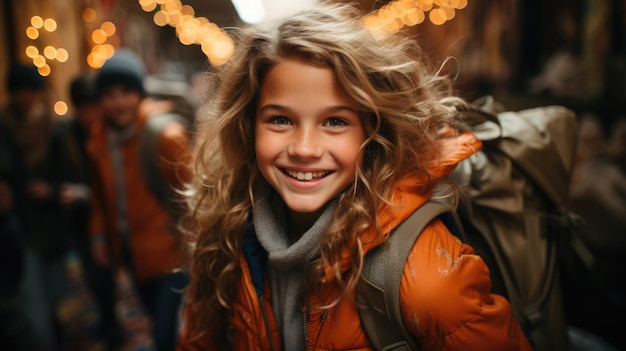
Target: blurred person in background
{"x":131,"y":230}
{"x":33,"y":146}
{"x":16,"y":331}
{"x":597,"y":301}
{"x":86,"y":310}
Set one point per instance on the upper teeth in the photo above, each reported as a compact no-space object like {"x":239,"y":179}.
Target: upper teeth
{"x":306,"y":175}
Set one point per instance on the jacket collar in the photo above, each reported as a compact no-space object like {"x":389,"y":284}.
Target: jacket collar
{"x":413,"y":191}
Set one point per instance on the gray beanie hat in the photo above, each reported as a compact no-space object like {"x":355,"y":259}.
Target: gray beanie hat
{"x":125,"y":68}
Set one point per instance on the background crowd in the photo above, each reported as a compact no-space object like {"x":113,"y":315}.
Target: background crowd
{"x":89,"y":251}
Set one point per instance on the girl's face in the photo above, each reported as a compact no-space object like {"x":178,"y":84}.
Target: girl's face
{"x":308,"y":135}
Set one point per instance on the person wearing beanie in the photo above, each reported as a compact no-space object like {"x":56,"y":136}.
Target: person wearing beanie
{"x":131,"y":229}
{"x":26,"y":89}
{"x":124,"y":68}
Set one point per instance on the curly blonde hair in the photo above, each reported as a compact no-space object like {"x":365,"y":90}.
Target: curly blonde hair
{"x":403,"y":109}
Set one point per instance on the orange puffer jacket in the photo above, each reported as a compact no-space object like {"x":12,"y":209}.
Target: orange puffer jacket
{"x":154,"y":250}
{"x":444,"y":292}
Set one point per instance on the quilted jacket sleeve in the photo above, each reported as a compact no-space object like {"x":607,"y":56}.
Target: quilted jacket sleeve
{"x":446,"y":299}
{"x":191,"y":339}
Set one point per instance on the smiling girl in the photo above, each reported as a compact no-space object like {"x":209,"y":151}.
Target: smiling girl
{"x":320,"y":140}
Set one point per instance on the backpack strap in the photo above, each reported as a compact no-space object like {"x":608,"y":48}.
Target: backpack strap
{"x":149,"y":156}
{"x":379,"y":293}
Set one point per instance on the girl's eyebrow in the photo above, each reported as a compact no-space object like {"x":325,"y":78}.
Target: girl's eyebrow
{"x":274,"y":107}
{"x":329,"y":109}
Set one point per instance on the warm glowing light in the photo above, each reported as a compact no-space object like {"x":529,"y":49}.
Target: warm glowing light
{"x":458,"y":4}
{"x":95,"y":60}
{"x":413,"y":17}
{"x":437,"y":16}
{"x":50,"y":52}
{"x":150,"y":6}
{"x":60,"y":108}
{"x":425,"y":5}
{"x":50,"y":25}
{"x":147,"y":3}
{"x":160,"y":18}
{"x":98,"y":36}
{"x":223,"y":48}
{"x":449,"y":11}
{"x":187,"y":36}
{"x":215,"y":43}
{"x":394,"y":25}
{"x":108,"y":28}
{"x":62,"y":55}
{"x":89,"y":15}
{"x":39,"y":61}
{"x":31,"y":51}
{"x":104,"y":50}
{"x":399,"y":13}
{"x":172,"y":6}
{"x":107,"y":50}
{"x":32,"y":33}
{"x":44,"y":70}
{"x":36,"y":21}
{"x":173,"y":18}
{"x":187,"y":10}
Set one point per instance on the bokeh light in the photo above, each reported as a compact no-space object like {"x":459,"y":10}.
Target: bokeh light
{"x":89,"y":15}
{"x":60,"y":108}
{"x":36,"y":21}
{"x":32,"y":33}
{"x":50,"y":25}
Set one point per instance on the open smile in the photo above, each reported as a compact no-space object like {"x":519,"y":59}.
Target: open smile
{"x":306,"y":175}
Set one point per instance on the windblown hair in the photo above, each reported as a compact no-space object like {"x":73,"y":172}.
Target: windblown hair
{"x":403,"y":109}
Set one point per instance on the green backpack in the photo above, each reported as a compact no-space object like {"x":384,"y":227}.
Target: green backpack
{"x":512,"y":212}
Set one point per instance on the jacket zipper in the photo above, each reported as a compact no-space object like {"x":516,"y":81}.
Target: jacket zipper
{"x":267,"y":324}
{"x":306,"y":325}
{"x":305,"y":318}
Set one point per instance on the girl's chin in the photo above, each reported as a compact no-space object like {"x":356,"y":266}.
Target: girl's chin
{"x":306,"y":207}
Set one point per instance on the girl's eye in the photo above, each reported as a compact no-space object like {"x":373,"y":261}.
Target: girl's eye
{"x":280,"y":120}
{"x":336,"y":122}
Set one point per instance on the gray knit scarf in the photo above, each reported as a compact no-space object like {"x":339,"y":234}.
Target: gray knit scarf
{"x":287,"y":262}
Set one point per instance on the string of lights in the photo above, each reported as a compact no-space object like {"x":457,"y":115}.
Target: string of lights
{"x":392,"y":17}
{"x":215,"y":42}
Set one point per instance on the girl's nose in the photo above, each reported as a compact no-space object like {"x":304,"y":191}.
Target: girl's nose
{"x":306,"y":143}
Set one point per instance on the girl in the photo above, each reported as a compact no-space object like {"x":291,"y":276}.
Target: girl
{"x":320,"y":140}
